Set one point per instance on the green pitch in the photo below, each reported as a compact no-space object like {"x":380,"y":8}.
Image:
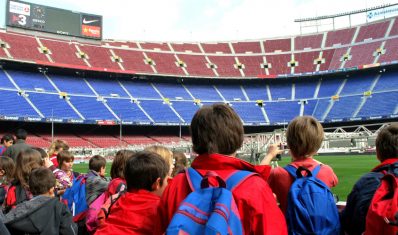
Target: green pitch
{"x":347,"y":168}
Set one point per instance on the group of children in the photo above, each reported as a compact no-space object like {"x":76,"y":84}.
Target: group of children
{"x":147,"y":188}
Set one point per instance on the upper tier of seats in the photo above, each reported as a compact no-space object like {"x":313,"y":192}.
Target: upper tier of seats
{"x":340,"y":49}
{"x":266,"y":102}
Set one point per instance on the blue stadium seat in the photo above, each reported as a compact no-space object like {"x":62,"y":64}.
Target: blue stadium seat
{"x":91,"y":109}
{"x":11,"y":104}
{"x":379,"y":104}
{"x":31,"y":81}
{"x":51,"y":105}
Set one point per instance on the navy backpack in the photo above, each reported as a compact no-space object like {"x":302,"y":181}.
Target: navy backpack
{"x":209,"y":210}
{"x":311,"y":207}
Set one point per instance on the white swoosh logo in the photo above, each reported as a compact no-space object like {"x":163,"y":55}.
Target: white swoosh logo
{"x":88,"y":21}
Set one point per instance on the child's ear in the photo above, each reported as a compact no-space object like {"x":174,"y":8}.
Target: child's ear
{"x":156,"y":184}
{"x":51,"y":191}
{"x":2,"y":172}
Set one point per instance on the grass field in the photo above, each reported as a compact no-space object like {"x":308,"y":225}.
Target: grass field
{"x":347,"y":168}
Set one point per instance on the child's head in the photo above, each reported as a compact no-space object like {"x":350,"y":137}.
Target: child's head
{"x":57,"y":146}
{"x":7,"y":140}
{"x":146,"y":170}
{"x":43,"y":153}
{"x":42,"y":182}
{"x":304,"y":137}
{"x":387,"y":143}
{"x":119,"y":163}
{"x":165,"y":153}
{"x":7,"y":167}
{"x":97,"y":163}
{"x":216,"y":129}
{"x":21,"y":134}
{"x":180,"y":162}
{"x":26,"y":162}
{"x":65,"y":160}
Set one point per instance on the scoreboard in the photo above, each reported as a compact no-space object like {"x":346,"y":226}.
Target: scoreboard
{"x":53,"y":20}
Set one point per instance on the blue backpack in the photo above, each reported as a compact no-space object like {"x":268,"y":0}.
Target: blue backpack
{"x":209,"y":210}
{"x":311,"y":207}
{"x":75,"y":197}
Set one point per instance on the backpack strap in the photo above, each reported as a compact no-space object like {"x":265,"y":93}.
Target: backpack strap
{"x":196,"y":181}
{"x":291,"y":170}
{"x":113,"y":201}
{"x":194,"y":178}
{"x":296,"y":172}
{"x":235,"y":179}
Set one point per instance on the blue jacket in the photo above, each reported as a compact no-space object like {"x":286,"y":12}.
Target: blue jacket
{"x":353,"y":217}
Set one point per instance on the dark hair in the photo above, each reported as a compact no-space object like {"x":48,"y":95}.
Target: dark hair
{"x":181,"y":162}
{"x":216,"y":129}
{"x":6,"y":138}
{"x":8,"y":166}
{"x":21,"y":134}
{"x":143,"y":169}
{"x":64,"y":156}
{"x":96,"y":163}
{"x":26,"y":162}
{"x":41,"y":180}
{"x":119,"y":163}
{"x":43,"y":153}
{"x":304,"y":136}
{"x":387,"y":143}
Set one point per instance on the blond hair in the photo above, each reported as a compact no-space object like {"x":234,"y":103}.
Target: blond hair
{"x":304,"y":136}
{"x":164,"y":152}
{"x":56,"y":147}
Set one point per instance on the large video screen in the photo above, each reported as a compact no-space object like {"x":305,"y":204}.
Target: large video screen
{"x":53,"y":20}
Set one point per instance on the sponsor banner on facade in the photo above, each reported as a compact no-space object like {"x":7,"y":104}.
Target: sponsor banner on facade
{"x":59,"y":120}
{"x":33,"y":119}
{"x":9,"y":118}
{"x":106,"y":122}
{"x":383,"y":13}
{"x":75,"y":121}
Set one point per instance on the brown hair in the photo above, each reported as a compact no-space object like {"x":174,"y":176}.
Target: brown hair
{"x":143,"y":169}
{"x":26,"y":162}
{"x":43,"y":153}
{"x":119,"y":163}
{"x":96,"y":163}
{"x":387,"y":143}
{"x":181,"y":162}
{"x":164,"y":152}
{"x":56,"y":146}
{"x":64,"y":156}
{"x":216,"y":129}
{"x":41,"y":180}
{"x":304,"y":136}
{"x":8,"y":166}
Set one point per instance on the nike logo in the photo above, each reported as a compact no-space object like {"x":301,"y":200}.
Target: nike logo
{"x":88,"y":21}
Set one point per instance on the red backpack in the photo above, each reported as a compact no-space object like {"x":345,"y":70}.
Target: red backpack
{"x":383,"y":211}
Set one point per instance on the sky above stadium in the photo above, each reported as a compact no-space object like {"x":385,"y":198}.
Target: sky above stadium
{"x":206,"y":20}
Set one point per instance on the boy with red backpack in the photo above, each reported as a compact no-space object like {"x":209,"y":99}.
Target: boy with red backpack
{"x":217,"y":133}
{"x":134,"y":212}
{"x":359,"y":200}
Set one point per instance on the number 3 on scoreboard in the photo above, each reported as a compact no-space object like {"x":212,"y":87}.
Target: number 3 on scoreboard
{"x":22,"y":20}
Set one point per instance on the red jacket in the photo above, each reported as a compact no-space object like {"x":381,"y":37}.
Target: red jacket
{"x":115,"y":186}
{"x":54,"y":160}
{"x":256,"y":203}
{"x":280,"y":180}
{"x":133,"y":213}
